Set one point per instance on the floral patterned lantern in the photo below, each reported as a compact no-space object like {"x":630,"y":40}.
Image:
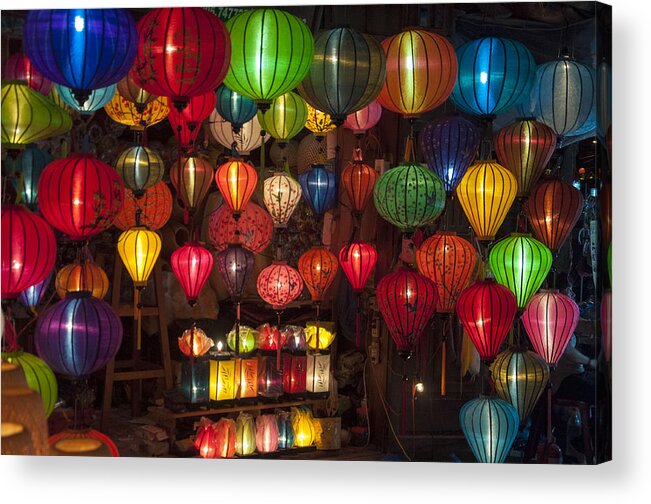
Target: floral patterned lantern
{"x":253,"y":229}
{"x":281,"y":196}
{"x":154,"y":208}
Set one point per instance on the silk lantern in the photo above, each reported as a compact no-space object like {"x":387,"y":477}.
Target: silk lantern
{"x":91,"y":202}
{"x":246,"y":370}
{"x":347,"y":72}
{"x":303,"y":425}
{"x":245,"y":140}
{"x":490,"y":426}
{"x":319,"y":187}
{"x":520,"y":263}
{"x":318,"y":122}
{"x":294,"y":366}
{"x":550,"y":320}
{"x":253,"y":229}
{"x":154,"y":208}
{"x":279,"y":284}
{"x":326,"y":334}
{"x":520,"y":377}
{"x":195,"y":378}
{"x":191,"y":177}
{"x":97,"y":98}
{"x":486,"y":193}
{"x":407,"y":301}
{"x":495,"y":74}
{"x":553,"y":210}
{"x":139,"y":249}
{"x":276,"y":63}
{"x":131,"y":91}
{"x":18,"y":67}
{"x":223,"y":376}
{"x":285,"y":430}
{"x":38,"y":375}
{"x":244,"y":435}
{"x":191,"y":265}
{"x":234,"y":108}
{"x":421,"y":71}
{"x":358,"y":180}
{"x":28,"y":250}
{"x":525,"y":147}
{"x":486,"y":310}
{"x":216,"y":440}
{"x":236,"y":181}
{"x":27,"y":116}
{"x":83,"y":443}
{"x":318,"y":268}
{"x":606,"y":313}
{"x":234,"y":265}
{"x":364,"y":119}
{"x":409,"y":196}
{"x":186,"y":136}
{"x":83,"y":49}
{"x":78,"y":335}
{"x":31,"y":297}
{"x":449,"y":261}
{"x":182,"y":52}
{"x":270,"y":378}
{"x":139,"y":168}
{"x":285,"y":117}
{"x":281,"y":195}
{"x":450,"y":145}
{"x":266,"y":437}
{"x":318,"y":374}
{"x":29,"y":165}
{"x":357,"y":262}
{"x":193,"y":114}
{"x":82,"y":275}
{"x":293,"y":339}
{"x":126,"y":112}
{"x":195,"y":342}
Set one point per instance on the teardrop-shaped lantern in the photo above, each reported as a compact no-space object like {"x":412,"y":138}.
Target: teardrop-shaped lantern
{"x":191,"y":177}
{"x":246,"y":139}
{"x":234,"y":264}
{"x":553,"y":210}
{"x":97,"y":98}
{"x":31,"y":297}
{"x":18,"y":67}
{"x":139,"y":168}
{"x":285,"y":117}
{"x":236,"y":181}
{"x":191,"y":265}
{"x":358,"y":180}
{"x":139,"y":249}
{"x":253,"y":229}
{"x":364,"y":119}
{"x":486,"y":193}
{"x":154,"y":207}
{"x":318,"y":267}
{"x":279,"y":284}
{"x":193,"y":114}
{"x":520,"y":263}
{"x":84,"y":275}
{"x":550,"y":319}
{"x":357,"y":261}
{"x":234,"y":108}
{"x":318,"y":122}
{"x":281,"y":195}
{"x":29,"y":165}
{"x":130,"y":90}
{"x":319,"y":189}
{"x":123,"y":111}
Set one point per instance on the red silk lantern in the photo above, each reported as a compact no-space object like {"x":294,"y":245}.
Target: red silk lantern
{"x":185,"y":136}
{"x":191,"y":177}
{"x":18,"y":67}
{"x":486,"y":310}
{"x":607,"y":324}
{"x":192,"y":265}
{"x":279,"y":284}
{"x":198,"y":108}
{"x":253,"y":229}
{"x":364,"y":119}
{"x":318,"y":267}
{"x":358,"y":180}
{"x":236,"y":181}
{"x":553,"y":209}
{"x":550,"y":319}
{"x":216,"y":440}
{"x":407,"y":301}
{"x":448,"y":261}
{"x":155,"y":208}
{"x":28,"y":250}
{"x":182,"y":52}
{"x":80,"y":195}
{"x":357,"y":260}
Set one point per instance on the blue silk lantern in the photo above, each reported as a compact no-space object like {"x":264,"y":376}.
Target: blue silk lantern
{"x":450,"y":145}
{"x":319,"y":188}
{"x":29,"y":165}
{"x":195,"y":380}
{"x":95,"y":101}
{"x":31,"y":297}
{"x":83,"y":49}
{"x":234,"y":108}
{"x":494,"y":75}
{"x":490,"y":426}
{"x":285,"y":430}
{"x":78,"y":335}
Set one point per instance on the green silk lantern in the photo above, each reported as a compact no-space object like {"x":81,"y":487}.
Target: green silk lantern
{"x":39,"y":376}
{"x":285,"y":117}
{"x":271,"y":52}
{"x":520,"y":263}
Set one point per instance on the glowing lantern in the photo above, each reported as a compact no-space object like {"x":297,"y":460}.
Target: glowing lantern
{"x":139,"y":168}
{"x":191,"y":178}
{"x":29,"y":164}
{"x":197,"y":109}
{"x":95,"y":101}
{"x":130,"y":90}
{"x":246,"y":371}
{"x":294,"y":374}
{"x":279,"y":284}
{"x":520,"y":377}
{"x":358,"y":180}
{"x":318,"y":374}
{"x":409,"y":196}
{"x":245,"y":140}
{"x":28,"y":250}
{"x":285,"y":430}
{"x":486,"y":193}
{"x":268,"y":338}
{"x":276,"y":63}
{"x":550,"y":319}
{"x":234,"y":265}
{"x":191,"y":265}
{"x":450,"y":145}
{"x":27,"y":116}
{"x":216,"y":440}
{"x":154,"y":208}
{"x":553,"y":210}
{"x":39,"y":376}
{"x":281,"y":195}
{"x":285,"y":117}
{"x":494,"y":75}
{"x":607,"y":324}
{"x":248,"y":339}
{"x":78,"y":335}
{"x":318,"y":267}
{"x":303,"y":425}
{"x":82,"y":443}
{"x":222,"y":378}
{"x":486,"y":310}
{"x":270,"y":378}
{"x":195,"y":341}
{"x":82,"y":275}
{"x":318,"y":122}
{"x":236,"y":181}
{"x":91,"y":202}
{"x":19,"y":68}
{"x":31,"y":297}
{"x":520,"y":263}
{"x":319,"y":188}
{"x":448,"y":261}
{"x":139,"y":249}
{"x":326,"y":334}
{"x":195,"y":379}
{"x":266,"y":438}
{"x":234,"y":108}
{"x":364,"y":119}
{"x":185,"y":136}
{"x":126,"y":112}
{"x":253,"y":229}
{"x":83,"y":49}
{"x":244,"y":435}
{"x":357,"y":261}
{"x":490,"y":426}
{"x":293,"y":339}
{"x":407,"y":301}
{"x":421,"y":70}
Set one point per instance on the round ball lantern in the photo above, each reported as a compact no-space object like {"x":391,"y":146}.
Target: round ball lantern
{"x":83,"y":443}
{"x":31,"y":297}
{"x":28,"y":250}
{"x":486,"y":193}
{"x":525,"y":147}
{"x":357,"y":261}
{"x":126,"y":112}
{"x":253,"y":229}
{"x":78,"y":335}
{"x":450,"y":145}
{"x":520,"y":377}
{"x":154,"y":207}
{"x":191,"y":265}
{"x":139,"y":168}
{"x":490,"y":425}
{"x":448,"y":261}
{"x":409,"y":196}
{"x":279,"y":284}
{"x":28,"y":116}
{"x":421,"y":71}
{"x":495,"y":74}
{"x":318,"y":122}
{"x":30,"y":163}
{"x":245,"y":140}
{"x":139,"y":249}
{"x":236,"y":181}
{"x":563,"y":95}
{"x":319,"y":187}
{"x":234,"y":265}
{"x":550,"y":320}
{"x":407,"y":301}
{"x":193,"y":114}
{"x":318,"y":267}
{"x":520,"y":263}
{"x":39,"y":376}
{"x":18,"y":67}
{"x":553,"y":210}
{"x":130,"y":90}
{"x":80,"y":276}
{"x":281,"y":194}
{"x":91,"y":201}
{"x":276,"y":63}
{"x":486,"y":310}
{"x":285,"y":117}
{"x":358,"y":180}
{"x":182,"y":52}
{"x":347,"y":72}
{"x":234,"y":108}
{"x":97,"y":98}
{"x":191,"y":177}
{"x":364,"y":119}
{"x":83,"y":49}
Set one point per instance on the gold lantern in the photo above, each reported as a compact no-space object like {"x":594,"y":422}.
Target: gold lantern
{"x":126,"y":112}
{"x":244,"y":435}
{"x":82,"y":276}
{"x":326,"y":332}
{"x":139,"y":249}
{"x":246,"y":371}
{"x":223,"y":386}
{"x":318,"y":374}
{"x":318,"y":122}
{"x":303,"y":425}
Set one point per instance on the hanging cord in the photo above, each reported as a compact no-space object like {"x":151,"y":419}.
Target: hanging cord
{"x":410,"y":152}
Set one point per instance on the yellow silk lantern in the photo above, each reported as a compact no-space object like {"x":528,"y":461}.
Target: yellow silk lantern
{"x":247,"y":377}
{"x":139,"y":249}
{"x":86,"y":276}
{"x":126,"y":112}
{"x":303,"y":425}
{"x":318,"y":122}
{"x":244,"y":434}
{"x":326,"y":331}
{"x":222,"y":379}
{"x":318,"y":373}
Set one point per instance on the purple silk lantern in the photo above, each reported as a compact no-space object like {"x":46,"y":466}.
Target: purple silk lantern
{"x":234,"y":265}
{"x":31,"y":297}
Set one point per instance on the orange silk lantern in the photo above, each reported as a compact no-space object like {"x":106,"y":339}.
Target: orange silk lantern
{"x":155,"y":208}
{"x":236,"y":181}
{"x":82,"y":275}
{"x":194,"y":341}
{"x":253,"y":229}
{"x":191,"y":177}
{"x":318,"y":268}
{"x":358,"y":180}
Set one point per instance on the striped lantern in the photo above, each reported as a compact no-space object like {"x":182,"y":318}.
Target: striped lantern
{"x":139,"y":168}
{"x":245,"y":140}
{"x":83,"y":275}
{"x":234,"y":108}
{"x":19,"y":68}
{"x":155,"y":208}
{"x":191,"y":177}
{"x":364,"y":119}
{"x":31,"y":297}
{"x":357,"y":260}
{"x":95,"y":101}
{"x":236,"y":181}
{"x":191,"y":265}
{"x":318,"y":268}
{"x":234,"y":265}
{"x":253,"y":229}
{"x":358,"y":180}
{"x":319,"y":187}
{"x":285,"y":117}
{"x":39,"y":376}
{"x":29,"y":165}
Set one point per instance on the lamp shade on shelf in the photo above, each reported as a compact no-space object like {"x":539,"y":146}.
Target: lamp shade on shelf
{"x":97,"y":98}
{"x":358,"y":180}
{"x":80,"y":276}
{"x":29,"y":165}
{"x":139,"y":249}
{"x":244,"y":435}
{"x":216,"y":440}
{"x":38,"y":375}
{"x":281,"y":194}
{"x":318,"y":268}
{"x":285,"y":117}
{"x":279,"y":284}
{"x":195,"y":342}
{"x":236,"y":181}
{"x":155,"y":207}
{"x":319,"y":187}
{"x":245,"y":140}
{"x":266,"y":437}
{"x":139,"y":168}
{"x":253,"y":229}
{"x":126,"y":112}
{"x":234,"y":264}
{"x":357,"y":261}
{"x":18,"y":67}
{"x":233,"y":107}
{"x":364,"y":119}
{"x":285,"y":430}
{"x":129,"y":89}
{"x":191,"y":265}
{"x":303,"y":426}
{"x":327,"y":331}
{"x":191,"y":177}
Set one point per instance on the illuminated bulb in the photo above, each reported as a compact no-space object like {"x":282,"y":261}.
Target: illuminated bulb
{"x":483,"y":77}
{"x":420,"y":388}
{"x":79,"y":23}
{"x":220,"y":345}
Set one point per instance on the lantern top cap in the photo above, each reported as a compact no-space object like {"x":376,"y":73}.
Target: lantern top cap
{"x":549,"y":291}
{"x":81,"y":155}
{"x":15,"y":81}
{"x":445,"y":233}
{"x":520,"y":235}
{"x":79,"y":294}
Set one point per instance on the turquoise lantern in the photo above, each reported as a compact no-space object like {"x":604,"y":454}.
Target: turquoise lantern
{"x":95,"y":101}
{"x":29,"y":164}
{"x":234,"y":108}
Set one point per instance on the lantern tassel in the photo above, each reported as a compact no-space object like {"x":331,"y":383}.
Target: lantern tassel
{"x":278,"y":340}
{"x":137,"y":316}
{"x":443,"y":346}
{"x":403,"y":409}
{"x":358,"y":321}
{"x":318,"y":324}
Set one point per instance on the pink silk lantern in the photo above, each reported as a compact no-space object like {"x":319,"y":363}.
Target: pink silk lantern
{"x":266,"y":436}
{"x":364,"y":119}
